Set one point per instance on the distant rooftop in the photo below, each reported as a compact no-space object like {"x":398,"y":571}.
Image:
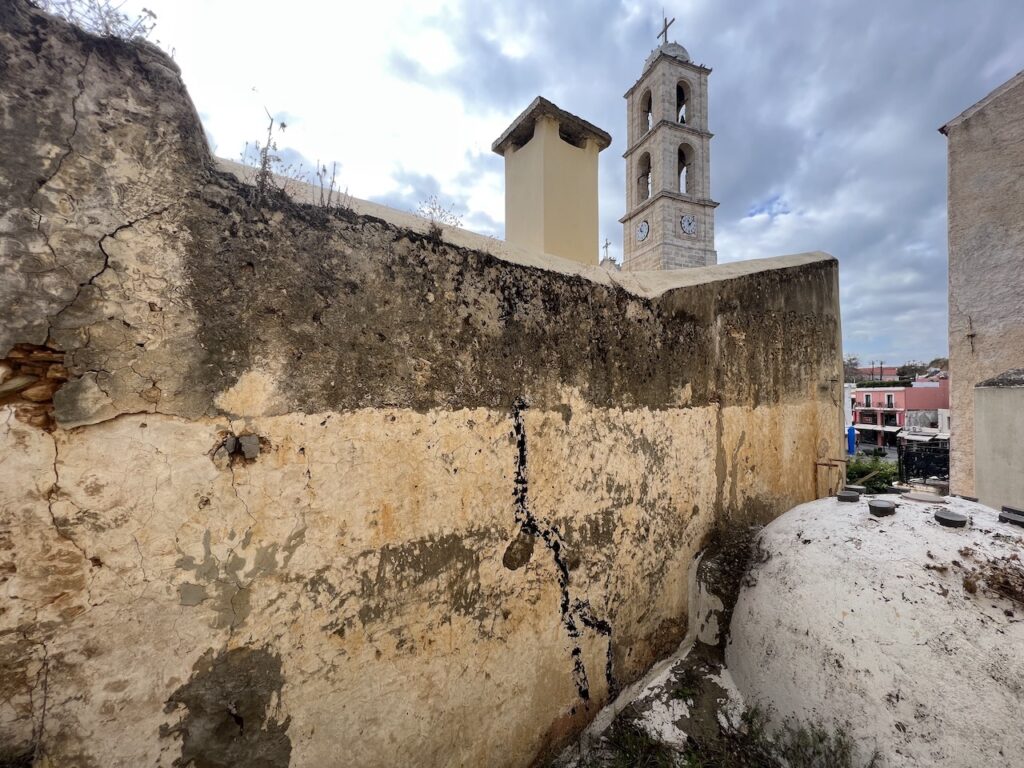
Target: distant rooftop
{"x":573,"y":129}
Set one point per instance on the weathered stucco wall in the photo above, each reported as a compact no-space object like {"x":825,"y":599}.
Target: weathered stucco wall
{"x":986,"y":255}
{"x":288,"y":486}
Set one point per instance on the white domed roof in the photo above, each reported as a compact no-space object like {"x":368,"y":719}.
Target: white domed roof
{"x":675,"y":50}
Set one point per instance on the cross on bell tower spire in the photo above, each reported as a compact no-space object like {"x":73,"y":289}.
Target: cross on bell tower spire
{"x":664,"y":29}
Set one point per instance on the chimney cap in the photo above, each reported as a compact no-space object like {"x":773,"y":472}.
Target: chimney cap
{"x":575,"y":129}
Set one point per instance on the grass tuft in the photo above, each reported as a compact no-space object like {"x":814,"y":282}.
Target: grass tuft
{"x":749,"y":743}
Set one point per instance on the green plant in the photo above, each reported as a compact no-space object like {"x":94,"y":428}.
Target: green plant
{"x":873,"y":473}
{"x":630,"y":746}
{"x":751,"y":744}
{"x":815,"y":747}
{"x":687,"y":685}
{"x":744,"y":742}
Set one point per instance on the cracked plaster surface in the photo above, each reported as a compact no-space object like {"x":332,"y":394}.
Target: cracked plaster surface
{"x":367,"y":548}
{"x":88,"y":234}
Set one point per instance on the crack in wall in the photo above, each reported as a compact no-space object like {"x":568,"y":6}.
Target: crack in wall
{"x":35,"y":752}
{"x":74,"y":127}
{"x":42,"y":681}
{"x":573,"y":612}
{"x":105,"y":265}
{"x":106,"y":256}
{"x":50,"y":495}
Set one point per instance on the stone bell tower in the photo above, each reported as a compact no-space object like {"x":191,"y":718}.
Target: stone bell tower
{"x":670,"y":216}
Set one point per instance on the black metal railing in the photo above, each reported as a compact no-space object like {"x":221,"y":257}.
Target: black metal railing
{"x":921,"y":461}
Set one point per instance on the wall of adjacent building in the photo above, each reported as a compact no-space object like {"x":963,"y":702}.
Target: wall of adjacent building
{"x":927,"y":395}
{"x":986,"y":255}
{"x":999,"y":447}
{"x":282,"y":483}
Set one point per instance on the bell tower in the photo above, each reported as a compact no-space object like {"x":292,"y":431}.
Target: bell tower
{"x":670,"y":216}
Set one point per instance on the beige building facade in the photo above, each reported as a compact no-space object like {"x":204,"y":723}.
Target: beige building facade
{"x":670,"y":216}
{"x":986,"y":260}
{"x":551,"y":182}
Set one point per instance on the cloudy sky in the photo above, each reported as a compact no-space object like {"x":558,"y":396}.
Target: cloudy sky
{"x":825,"y":114}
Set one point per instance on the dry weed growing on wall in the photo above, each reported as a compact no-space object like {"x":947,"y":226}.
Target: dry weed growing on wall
{"x":330,"y":195}
{"x":438,"y":215}
{"x":102,"y":17}
{"x":271,"y":175}
{"x":262,"y":157}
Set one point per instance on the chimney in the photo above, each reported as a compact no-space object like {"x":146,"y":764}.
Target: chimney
{"x":551,"y":181}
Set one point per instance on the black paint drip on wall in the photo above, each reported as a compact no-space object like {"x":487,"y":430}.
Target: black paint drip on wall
{"x":574,"y":612}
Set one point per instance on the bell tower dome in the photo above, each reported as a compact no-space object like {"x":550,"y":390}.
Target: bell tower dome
{"x":670,"y":216}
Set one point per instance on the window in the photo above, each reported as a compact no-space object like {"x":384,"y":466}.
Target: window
{"x":684,"y":168}
{"x":682,"y":100}
{"x":646,"y":113}
{"x":643,"y":178}
{"x":889,"y":400}
{"x":867,"y":399}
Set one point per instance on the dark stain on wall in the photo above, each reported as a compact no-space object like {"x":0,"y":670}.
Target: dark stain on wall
{"x":519,"y":551}
{"x":223,"y":586}
{"x":231,"y":715}
{"x":441,"y":571}
{"x":16,"y":758}
{"x":368,"y":314}
{"x":400,"y":567}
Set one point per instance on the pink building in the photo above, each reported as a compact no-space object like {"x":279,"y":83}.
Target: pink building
{"x":878,"y":373}
{"x":879,"y":413}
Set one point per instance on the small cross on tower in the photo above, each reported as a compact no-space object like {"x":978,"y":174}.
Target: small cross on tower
{"x":664,"y":30}
{"x":607,"y":242}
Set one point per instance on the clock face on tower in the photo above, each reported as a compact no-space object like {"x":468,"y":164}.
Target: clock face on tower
{"x":642,"y":230}
{"x":688,"y":222}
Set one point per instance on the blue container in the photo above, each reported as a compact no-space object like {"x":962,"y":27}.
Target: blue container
{"x":851,"y":441}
